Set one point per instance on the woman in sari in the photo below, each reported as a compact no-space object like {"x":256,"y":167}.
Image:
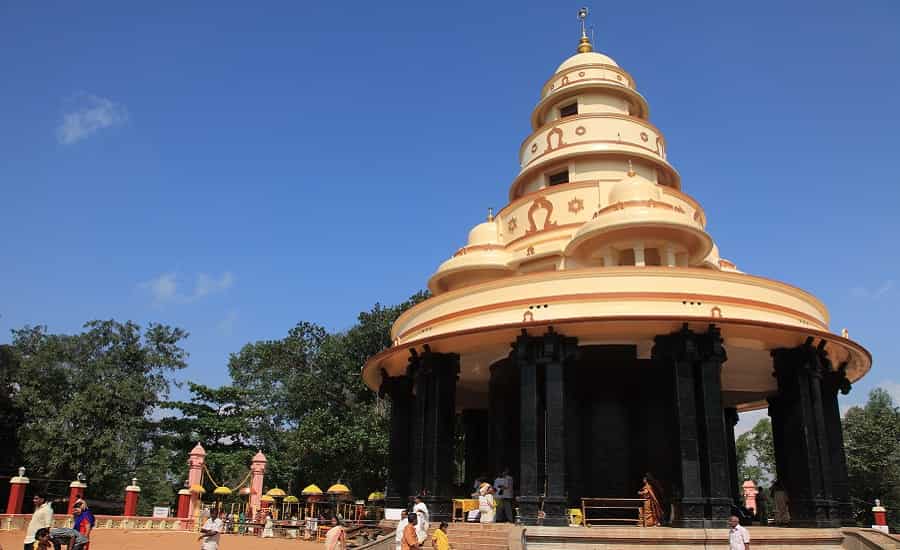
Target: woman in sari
{"x":652,"y":493}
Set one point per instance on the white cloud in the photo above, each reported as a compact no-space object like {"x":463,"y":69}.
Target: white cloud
{"x":209,"y":285}
{"x":89,"y":115}
{"x":887,"y":287}
{"x":226,"y":325}
{"x":167,"y":289}
{"x":163,"y":288}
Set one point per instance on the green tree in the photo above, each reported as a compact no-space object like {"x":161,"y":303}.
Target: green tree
{"x":322,"y":423}
{"x":85,"y":399}
{"x":872,"y":444}
{"x":756,"y":453}
{"x":222,"y":420}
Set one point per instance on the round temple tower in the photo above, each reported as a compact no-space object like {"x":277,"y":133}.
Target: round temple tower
{"x":590,"y":331}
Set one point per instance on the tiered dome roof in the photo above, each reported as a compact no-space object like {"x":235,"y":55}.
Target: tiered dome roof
{"x":595,"y":188}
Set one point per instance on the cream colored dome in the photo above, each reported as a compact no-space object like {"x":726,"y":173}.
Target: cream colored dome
{"x":484,"y":233}
{"x":633,"y":189}
{"x":587,"y":58}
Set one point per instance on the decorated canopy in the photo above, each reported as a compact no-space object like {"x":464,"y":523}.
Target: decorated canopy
{"x":276,"y":492}
{"x":222,"y":491}
{"x":311,"y":490}
{"x":339,"y":489}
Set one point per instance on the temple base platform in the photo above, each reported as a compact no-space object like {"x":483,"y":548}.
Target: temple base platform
{"x":667,"y":538}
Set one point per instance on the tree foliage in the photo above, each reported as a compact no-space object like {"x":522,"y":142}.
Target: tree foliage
{"x":756,"y":453}
{"x":85,"y":399}
{"x":872,"y":444}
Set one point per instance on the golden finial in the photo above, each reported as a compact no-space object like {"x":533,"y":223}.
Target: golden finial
{"x":584,"y":45}
{"x":631,"y":171}
{"x":490,"y":214}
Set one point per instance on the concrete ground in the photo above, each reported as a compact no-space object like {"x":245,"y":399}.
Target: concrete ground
{"x":114,"y":539}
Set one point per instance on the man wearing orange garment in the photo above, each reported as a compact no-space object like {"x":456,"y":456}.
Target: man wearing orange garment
{"x":410,"y":540}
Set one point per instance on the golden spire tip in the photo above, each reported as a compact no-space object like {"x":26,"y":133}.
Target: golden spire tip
{"x":490,"y":215}
{"x":584,"y":45}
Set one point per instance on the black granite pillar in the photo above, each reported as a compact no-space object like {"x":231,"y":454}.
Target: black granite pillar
{"x":834,"y":381}
{"x":434,"y":427}
{"x":529,"y":495}
{"x":399,"y":390}
{"x":679,"y":352}
{"x":805,"y":444}
{"x":713,"y":439}
{"x":731,"y":420}
{"x":419,"y":407}
{"x":557,"y":351}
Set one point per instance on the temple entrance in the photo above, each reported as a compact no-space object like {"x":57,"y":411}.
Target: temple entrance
{"x":619,"y":423}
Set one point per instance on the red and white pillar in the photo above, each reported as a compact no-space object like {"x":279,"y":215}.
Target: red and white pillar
{"x":17,"y":486}
{"x":880,"y":513}
{"x":76,"y":492}
{"x":132,"y":494}
{"x":257,"y":475}
{"x":196,"y":459}
{"x":184,"y":503}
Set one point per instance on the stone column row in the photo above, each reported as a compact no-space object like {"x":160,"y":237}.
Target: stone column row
{"x":806,"y":428}
{"x":541,"y":361}
{"x":702,"y":497}
{"x":423,"y":421}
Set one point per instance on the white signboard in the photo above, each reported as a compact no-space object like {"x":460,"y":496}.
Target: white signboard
{"x":160,"y":511}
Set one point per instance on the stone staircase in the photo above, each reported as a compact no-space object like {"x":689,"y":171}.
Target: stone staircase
{"x":463,"y":536}
{"x":477,"y":536}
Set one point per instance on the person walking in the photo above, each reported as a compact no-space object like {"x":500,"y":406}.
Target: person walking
{"x":421,"y":510}
{"x":410,"y":540}
{"x":398,"y":535}
{"x":209,"y":533}
{"x":738,"y":536}
{"x":41,"y":518}
{"x":486,"y":503}
{"x":441,"y":542}
{"x":504,"y":486}
{"x":268,"y":528}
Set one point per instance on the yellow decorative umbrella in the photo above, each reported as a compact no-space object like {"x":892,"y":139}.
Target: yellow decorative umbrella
{"x":291,"y":499}
{"x":339,"y":489}
{"x":222,"y":491}
{"x":377,"y":495}
{"x":276,"y":492}
{"x":266,"y":498}
{"x":197,"y":488}
{"x":311,"y":490}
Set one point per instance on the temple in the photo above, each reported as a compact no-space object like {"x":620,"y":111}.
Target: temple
{"x":591,"y":331}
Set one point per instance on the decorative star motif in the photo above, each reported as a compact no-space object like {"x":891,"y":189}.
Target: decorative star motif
{"x":576,"y":205}
{"x":512,"y":224}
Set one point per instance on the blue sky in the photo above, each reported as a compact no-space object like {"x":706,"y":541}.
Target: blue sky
{"x":233,"y":168}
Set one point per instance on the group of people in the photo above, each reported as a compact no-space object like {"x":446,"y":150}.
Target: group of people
{"x":41,"y":535}
{"x":495,"y":501}
{"x":412,"y":531}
